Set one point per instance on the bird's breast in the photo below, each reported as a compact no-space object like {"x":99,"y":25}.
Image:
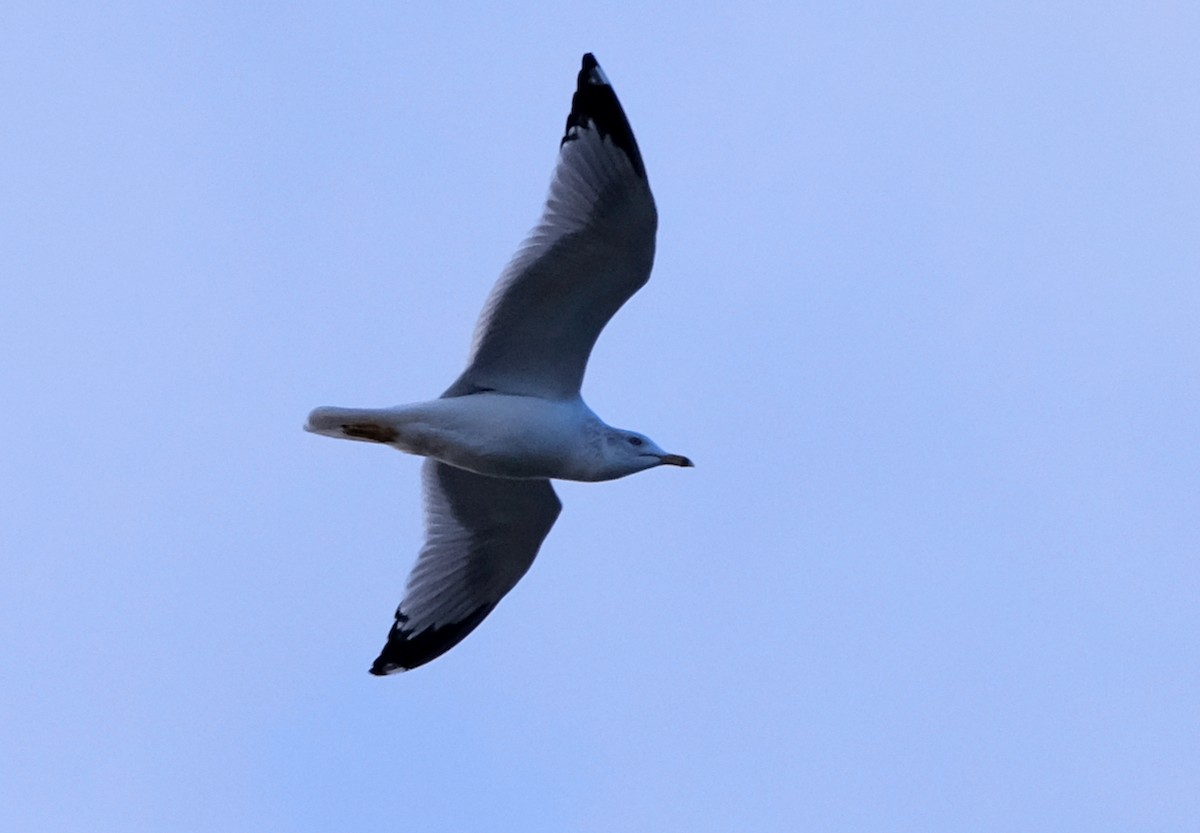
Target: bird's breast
{"x":510,"y":436}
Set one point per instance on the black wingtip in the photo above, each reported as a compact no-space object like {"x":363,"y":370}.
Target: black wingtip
{"x":405,"y":650}
{"x":595,"y":103}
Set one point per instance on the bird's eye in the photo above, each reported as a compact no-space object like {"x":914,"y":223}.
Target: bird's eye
{"x":635,"y":440}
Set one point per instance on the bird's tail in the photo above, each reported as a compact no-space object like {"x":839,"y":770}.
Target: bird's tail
{"x":365,"y":424}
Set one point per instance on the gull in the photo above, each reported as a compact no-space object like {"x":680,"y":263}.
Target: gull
{"x":515,"y":419}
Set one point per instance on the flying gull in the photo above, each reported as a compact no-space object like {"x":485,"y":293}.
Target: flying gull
{"x":515,"y":419}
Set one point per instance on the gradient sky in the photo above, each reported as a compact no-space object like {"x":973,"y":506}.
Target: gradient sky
{"x":926,"y":314}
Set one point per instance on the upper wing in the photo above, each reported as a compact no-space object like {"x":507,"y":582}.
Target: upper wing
{"x":592,"y":249}
{"x":481,"y":535}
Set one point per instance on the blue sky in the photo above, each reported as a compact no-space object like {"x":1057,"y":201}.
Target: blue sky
{"x":924,"y":314}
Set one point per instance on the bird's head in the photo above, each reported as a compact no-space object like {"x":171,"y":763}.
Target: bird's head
{"x":627,"y":452}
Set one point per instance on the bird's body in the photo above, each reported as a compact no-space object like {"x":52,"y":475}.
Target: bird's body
{"x":496,"y":434}
{"x":514,"y":419}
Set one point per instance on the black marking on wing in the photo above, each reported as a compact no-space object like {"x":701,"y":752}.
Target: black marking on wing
{"x":596,"y":103}
{"x":405,"y":651}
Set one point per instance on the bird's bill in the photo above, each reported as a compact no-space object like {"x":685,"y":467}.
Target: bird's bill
{"x":675,"y":460}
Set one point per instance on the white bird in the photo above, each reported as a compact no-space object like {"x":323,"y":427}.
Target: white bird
{"x":515,"y":419}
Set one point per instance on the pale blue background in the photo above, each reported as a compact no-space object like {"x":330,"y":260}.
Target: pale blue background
{"x":925,"y":313}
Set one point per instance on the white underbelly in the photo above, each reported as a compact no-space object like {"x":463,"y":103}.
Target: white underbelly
{"x":497,"y":435}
